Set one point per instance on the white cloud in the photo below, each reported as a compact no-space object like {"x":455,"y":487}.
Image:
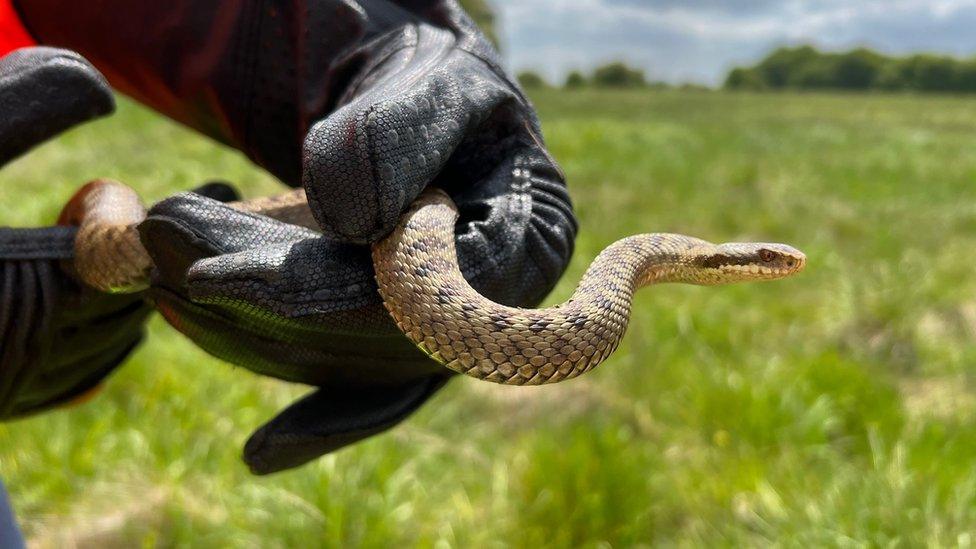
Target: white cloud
{"x":700,"y":39}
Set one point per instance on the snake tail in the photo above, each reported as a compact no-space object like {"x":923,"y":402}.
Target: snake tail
{"x":109,"y":256}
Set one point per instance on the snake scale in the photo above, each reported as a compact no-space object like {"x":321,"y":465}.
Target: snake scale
{"x":422,"y":286}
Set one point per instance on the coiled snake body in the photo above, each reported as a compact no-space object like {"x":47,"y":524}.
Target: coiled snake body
{"x":422,"y":286}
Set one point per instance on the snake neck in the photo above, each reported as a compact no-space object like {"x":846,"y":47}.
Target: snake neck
{"x":639,"y":261}
{"x":434,"y":306}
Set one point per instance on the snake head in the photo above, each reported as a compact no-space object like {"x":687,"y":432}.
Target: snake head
{"x":742,"y":262}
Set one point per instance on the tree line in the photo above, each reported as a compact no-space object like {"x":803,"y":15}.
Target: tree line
{"x":807,"y":68}
{"x":616,"y":75}
{"x":611,"y":75}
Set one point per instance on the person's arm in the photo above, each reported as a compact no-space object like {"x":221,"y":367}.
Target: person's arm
{"x":364,"y":103}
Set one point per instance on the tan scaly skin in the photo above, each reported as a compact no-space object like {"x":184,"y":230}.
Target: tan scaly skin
{"x":422,"y":286}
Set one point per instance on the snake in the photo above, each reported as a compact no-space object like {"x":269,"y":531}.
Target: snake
{"x":422,"y":286}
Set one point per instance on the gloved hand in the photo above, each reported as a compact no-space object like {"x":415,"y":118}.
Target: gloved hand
{"x":57,"y":340}
{"x":284,"y":301}
{"x":365,"y":103}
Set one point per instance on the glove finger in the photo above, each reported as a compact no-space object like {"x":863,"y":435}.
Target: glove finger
{"x":187,"y":245}
{"x":44,"y":91}
{"x":311,"y":350}
{"x":367,"y":161}
{"x":226,"y":229}
{"x":516,"y":229}
{"x":310,"y":277}
{"x":188,"y":227}
{"x":328,"y":420}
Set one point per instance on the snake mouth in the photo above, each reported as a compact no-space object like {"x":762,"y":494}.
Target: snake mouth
{"x":736,"y":262}
{"x":761,"y":272}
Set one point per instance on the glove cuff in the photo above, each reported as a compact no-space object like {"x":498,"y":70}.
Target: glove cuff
{"x":37,"y":243}
{"x":44,"y":360}
{"x":28,"y":292}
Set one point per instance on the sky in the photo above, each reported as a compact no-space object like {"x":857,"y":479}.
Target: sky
{"x":700,"y":40}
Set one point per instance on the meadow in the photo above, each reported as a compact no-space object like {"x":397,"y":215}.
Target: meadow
{"x":835,"y":408}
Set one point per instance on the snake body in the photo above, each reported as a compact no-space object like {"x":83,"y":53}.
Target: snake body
{"x":424,"y":290}
{"x":109,"y":256}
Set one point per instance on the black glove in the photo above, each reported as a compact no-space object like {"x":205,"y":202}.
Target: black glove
{"x":58,"y":340}
{"x":365,"y":103}
{"x":286,"y":302}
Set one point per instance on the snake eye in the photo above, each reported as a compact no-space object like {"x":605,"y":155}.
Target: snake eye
{"x":767,"y":255}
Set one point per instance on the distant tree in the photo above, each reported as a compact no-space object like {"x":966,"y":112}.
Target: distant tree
{"x":531,"y":80}
{"x":618,"y":75}
{"x":483,"y":15}
{"x":934,"y":73}
{"x":574,"y":81}
{"x":909,"y":70}
{"x":893,"y":77}
{"x":819,"y":73}
{"x":778,"y":69}
{"x":858,"y":69}
{"x":966,"y":76}
{"x":744,"y":79}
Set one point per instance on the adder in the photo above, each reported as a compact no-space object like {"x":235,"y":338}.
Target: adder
{"x":422,"y":286}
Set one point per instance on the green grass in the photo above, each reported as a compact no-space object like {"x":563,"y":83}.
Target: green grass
{"x":835,"y":408}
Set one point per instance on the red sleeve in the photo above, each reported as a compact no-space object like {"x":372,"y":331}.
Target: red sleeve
{"x":13,"y":35}
{"x":167,"y":54}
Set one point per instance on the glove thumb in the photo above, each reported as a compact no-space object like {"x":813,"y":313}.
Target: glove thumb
{"x":330,"y":419}
{"x":44,"y":91}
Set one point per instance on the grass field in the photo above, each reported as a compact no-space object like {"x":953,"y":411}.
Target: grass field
{"x":835,"y":408}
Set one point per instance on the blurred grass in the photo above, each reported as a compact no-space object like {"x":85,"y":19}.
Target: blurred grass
{"x":835,"y":408}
